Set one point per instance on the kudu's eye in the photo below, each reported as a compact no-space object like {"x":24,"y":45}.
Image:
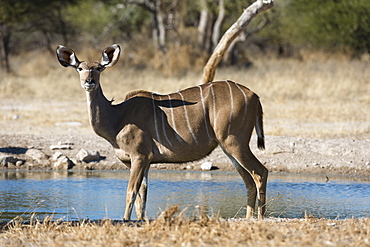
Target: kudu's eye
{"x":79,"y":69}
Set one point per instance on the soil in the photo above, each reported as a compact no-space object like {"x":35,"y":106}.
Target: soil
{"x":282,"y":154}
{"x":24,"y":129}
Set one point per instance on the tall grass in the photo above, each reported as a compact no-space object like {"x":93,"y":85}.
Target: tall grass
{"x":298,"y":95}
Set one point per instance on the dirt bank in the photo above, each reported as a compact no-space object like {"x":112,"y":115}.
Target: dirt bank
{"x":282,"y":154}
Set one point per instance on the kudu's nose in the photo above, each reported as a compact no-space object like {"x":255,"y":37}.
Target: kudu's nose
{"x":89,"y":84}
{"x":89,"y":81}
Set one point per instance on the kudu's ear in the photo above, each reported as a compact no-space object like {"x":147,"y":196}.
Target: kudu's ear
{"x":110,"y":55}
{"x":67,"y":57}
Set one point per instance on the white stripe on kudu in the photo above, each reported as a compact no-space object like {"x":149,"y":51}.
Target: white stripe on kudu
{"x":214,"y":106}
{"x":163,"y":120}
{"x":231,"y":107}
{"x":173,"y":119}
{"x":245,"y":101}
{"x":155,"y":119}
{"x":187,"y":118}
{"x":204,"y":111}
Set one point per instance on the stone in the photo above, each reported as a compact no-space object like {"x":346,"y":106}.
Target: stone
{"x":62,"y":145}
{"x":19,"y":163}
{"x":56,"y":155}
{"x":6,"y":160}
{"x":206,"y":166}
{"x":36,"y":154}
{"x":63,"y":163}
{"x":86,"y":156}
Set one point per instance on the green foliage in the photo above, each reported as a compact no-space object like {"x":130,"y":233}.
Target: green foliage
{"x":88,"y":18}
{"x":105,"y":21}
{"x":329,"y":24}
{"x":18,"y":12}
{"x":129,"y":21}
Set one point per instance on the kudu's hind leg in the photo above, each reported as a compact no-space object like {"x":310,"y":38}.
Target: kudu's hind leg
{"x":140,"y":202}
{"x":250,"y":186}
{"x":259,"y":175}
{"x":261,"y":183}
{"x":256,"y":181}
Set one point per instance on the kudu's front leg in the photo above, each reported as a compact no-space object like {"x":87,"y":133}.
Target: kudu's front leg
{"x":139,"y":168}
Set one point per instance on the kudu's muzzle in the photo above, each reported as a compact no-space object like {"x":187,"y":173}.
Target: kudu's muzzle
{"x":89,"y":84}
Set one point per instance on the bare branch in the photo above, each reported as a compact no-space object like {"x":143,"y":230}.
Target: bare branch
{"x":253,"y":10}
{"x":243,"y":36}
{"x":144,"y":4}
{"x":259,"y":27}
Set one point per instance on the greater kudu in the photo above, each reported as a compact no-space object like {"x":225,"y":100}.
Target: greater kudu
{"x":178,"y":127}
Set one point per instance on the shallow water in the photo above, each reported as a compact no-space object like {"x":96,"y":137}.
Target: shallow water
{"x":98,"y":195}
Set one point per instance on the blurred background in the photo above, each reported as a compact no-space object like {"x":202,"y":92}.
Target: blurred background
{"x":307,"y":60}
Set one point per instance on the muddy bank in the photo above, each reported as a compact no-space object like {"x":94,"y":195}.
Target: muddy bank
{"x":282,"y":154}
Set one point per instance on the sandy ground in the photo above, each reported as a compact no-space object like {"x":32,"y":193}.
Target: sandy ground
{"x":24,"y":128}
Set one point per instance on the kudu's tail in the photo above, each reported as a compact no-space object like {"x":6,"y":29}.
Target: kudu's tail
{"x":259,"y":127}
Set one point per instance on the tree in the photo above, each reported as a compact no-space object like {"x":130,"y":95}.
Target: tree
{"x":5,"y":35}
{"x":330,"y":25}
{"x":29,"y":17}
{"x":243,"y":36}
{"x":11,"y":13}
{"x":217,"y":28}
{"x":204,"y":26}
{"x":162,"y":12}
{"x":230,"y":35}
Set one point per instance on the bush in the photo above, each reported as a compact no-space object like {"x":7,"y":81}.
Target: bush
{"x":330,"y":24}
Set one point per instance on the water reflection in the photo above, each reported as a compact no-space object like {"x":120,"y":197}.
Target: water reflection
{"x":98,"y":195}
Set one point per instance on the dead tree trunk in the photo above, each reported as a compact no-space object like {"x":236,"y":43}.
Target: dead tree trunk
{"x":5,"y":35}
{"x":253,"y":10}
{"x":205,"y":27}
{"x":216,"y":34}
{"x":159,"y":30}
{"x":202,"y":23}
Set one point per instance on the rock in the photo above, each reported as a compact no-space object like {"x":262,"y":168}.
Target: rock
{"x":85,"y":156}
{"x":292,"y":147}
{"x":63,"y":163}
{"x":37,"y":155}
{"x":19,"y":163}
{"x":56,"y":156}
{"x":315,"y":164}
{"x":189,"y":167}
{"x":6,"y":160}
{"x":206,"y":166}
{"x":62,"y":145}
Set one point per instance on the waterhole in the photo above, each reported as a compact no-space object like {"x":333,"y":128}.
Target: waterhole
{"x":100,"y":195}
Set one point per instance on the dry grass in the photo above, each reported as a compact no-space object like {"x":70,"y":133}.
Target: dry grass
{"x":318,"y":96}
{"x":172,"y":229}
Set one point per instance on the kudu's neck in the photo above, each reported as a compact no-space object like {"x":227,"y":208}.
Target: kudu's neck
{"x":101,"y":114}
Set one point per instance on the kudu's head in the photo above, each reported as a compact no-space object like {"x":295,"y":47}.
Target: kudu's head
{"x":89,"y":70}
